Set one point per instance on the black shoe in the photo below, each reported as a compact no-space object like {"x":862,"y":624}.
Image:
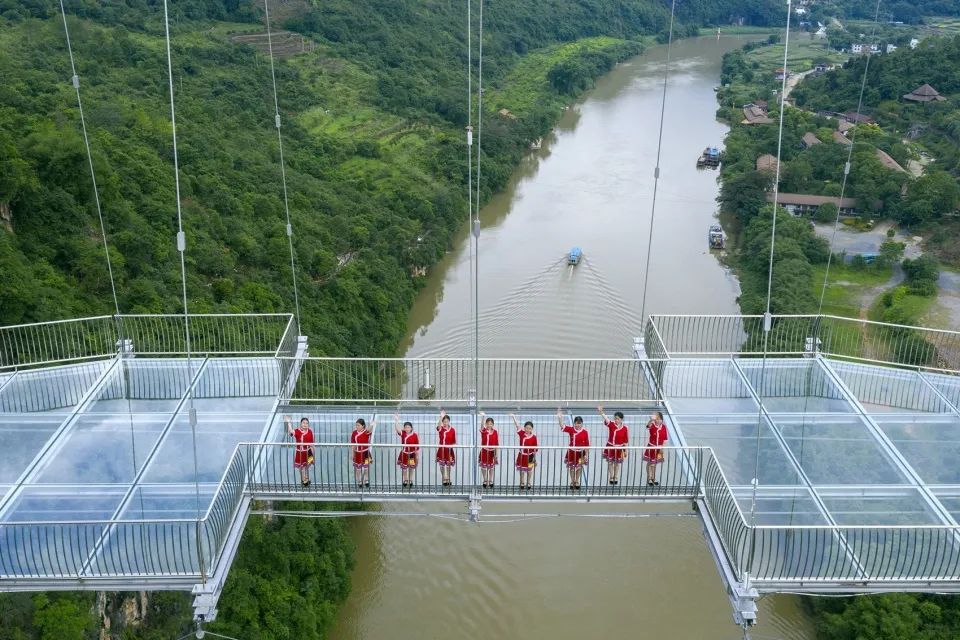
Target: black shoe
{"x":616,"y":482}
{"x":650,"y":483}
{"x":612,"y":481}
{"x":307,"y":483}
{"x":656,"y":484}
{"x":366,"y":484}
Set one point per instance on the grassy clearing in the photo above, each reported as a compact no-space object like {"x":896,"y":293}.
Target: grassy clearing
{"x":804,"y":53}
{"x":847,"y":287}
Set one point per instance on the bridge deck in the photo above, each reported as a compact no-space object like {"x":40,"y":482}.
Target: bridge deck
{"x":857,"y":486}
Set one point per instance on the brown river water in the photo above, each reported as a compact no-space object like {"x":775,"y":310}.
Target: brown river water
{"x":590,"y":185}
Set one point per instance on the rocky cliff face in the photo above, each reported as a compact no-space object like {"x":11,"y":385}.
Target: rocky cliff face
{"x":6,"y":216}
{"x":119,"y":611}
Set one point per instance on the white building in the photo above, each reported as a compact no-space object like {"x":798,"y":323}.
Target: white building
{"x":913,"y":43}
{"x":891,"y":48}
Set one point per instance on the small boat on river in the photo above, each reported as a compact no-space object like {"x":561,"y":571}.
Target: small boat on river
{"x":709,"y":159}
{"x":575,"y":255}
{"x":716,"y":238}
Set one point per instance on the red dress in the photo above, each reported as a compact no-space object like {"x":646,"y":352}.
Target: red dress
{"x":303,"y":454}
{"x":410,"y":453}
{"x":577,"y":455}
{"x":489,"y":439}
{"x":361,"y":454}
{"x":446,"y":456}
{"x":616,"y":441}
{"x":658,"y":435}
{"x":526,"y":460}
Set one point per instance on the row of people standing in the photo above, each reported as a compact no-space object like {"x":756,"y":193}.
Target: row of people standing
{"x":575,"y":459}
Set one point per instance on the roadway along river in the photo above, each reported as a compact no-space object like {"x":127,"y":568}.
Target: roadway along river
{"x":590,"y":185}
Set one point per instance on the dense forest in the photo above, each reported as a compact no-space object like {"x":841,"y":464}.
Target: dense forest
{"x":373,"y":103}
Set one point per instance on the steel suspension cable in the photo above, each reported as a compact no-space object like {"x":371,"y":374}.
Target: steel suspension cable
{"x":75,"y":80}
{"x":283,"y":169}
{"x":847,"y":165}
{"x":473,"y":311}
{"x":182,"y":248}
{"x":656,"y":171}
{"x":767,"y":318}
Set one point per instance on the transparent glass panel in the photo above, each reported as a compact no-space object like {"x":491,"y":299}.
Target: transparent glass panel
{"x":706,"y":387}
{"x":837,"y":451}
{"x":876,"y":508}
{"x":104,"y":449}
{"x":950,"y":499}
{"x":949,"y":386}
{"x":734,"y":442}
{"x":22,"y":436}
{"x":142,"y":385}
{"x":39,"y":504}
{"x":216,"y":437}
{"x":881,"y":389}
{"x":930,"y":444}
{"x":167,"y":502}
{"x":793,"y":507}
{"x":250,"y":384}
{"x":794,"y":386}
{"x":53,"y":389}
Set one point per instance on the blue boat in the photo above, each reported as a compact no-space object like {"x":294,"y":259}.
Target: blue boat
{"x":574,"y":256}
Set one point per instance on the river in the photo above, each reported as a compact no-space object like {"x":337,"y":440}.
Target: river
{"x":589,"y":185}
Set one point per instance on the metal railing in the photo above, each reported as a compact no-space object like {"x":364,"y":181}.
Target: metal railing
{"x":903,"y":553}
{"x":271,"y":472}
{"x":133,"y":548}
{"x":56,"y":342}
{"x":210,"y":334}
{"x":800,"y":335}
{"x":59,"y":342}
{"x":438,"y":380}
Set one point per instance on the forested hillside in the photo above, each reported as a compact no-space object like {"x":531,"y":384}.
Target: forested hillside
{"x":374,"y":109}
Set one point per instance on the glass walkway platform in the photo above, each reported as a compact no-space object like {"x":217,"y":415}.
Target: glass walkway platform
{"x":827,"y":466}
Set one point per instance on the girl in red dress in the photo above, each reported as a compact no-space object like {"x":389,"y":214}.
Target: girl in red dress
{"x":526,"y":458}
{"x":616,"y":450}
{"x":304,"y":455}
{"x":577,"y":455}
{"x":362,"y":453}
{"x":653,"y":454}
{"x":489,"y":442}
{"x":410,"y":453}
{"x":446,"y":455}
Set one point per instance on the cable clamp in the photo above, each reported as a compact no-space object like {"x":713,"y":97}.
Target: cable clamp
{"x":289,"y":230}
{"x":181,"y":241}
{"x":276,"y":119}
{"x":75,"y":80}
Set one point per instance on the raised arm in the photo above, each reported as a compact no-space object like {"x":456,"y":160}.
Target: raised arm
{"x":560,"y":418}
{"x":440,"y":419}
{"x":396,"y":424}
{"x":602,"y":414}
{"x":515,"y":421}
{"x":289,"y":424}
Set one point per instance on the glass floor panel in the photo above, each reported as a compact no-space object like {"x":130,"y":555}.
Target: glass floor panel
{"x":47,"y":390}
{"x":217,"y":437}
{"x":794,"y":386}
{"x":889,"y":390}
{"x":167,"y":502}
{"x":144,"y":386}
{"x":931,"y":444}
{"x":58,"y":504}
{"x":876,"y":507}
{"x":104,"y":449}
{"x":950,"y":499}
{"x":796,"y":507}
{"x":22,"y":436}
{"x":833,"y":450}
{"x":948,"y":385}
{"x":734,"y":443}
{"x":706,"y":387}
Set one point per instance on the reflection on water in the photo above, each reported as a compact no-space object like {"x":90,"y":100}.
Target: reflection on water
{"x":591,"y":186}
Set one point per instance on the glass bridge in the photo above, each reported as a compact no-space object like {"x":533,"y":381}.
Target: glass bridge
{"x":828,"y":465}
